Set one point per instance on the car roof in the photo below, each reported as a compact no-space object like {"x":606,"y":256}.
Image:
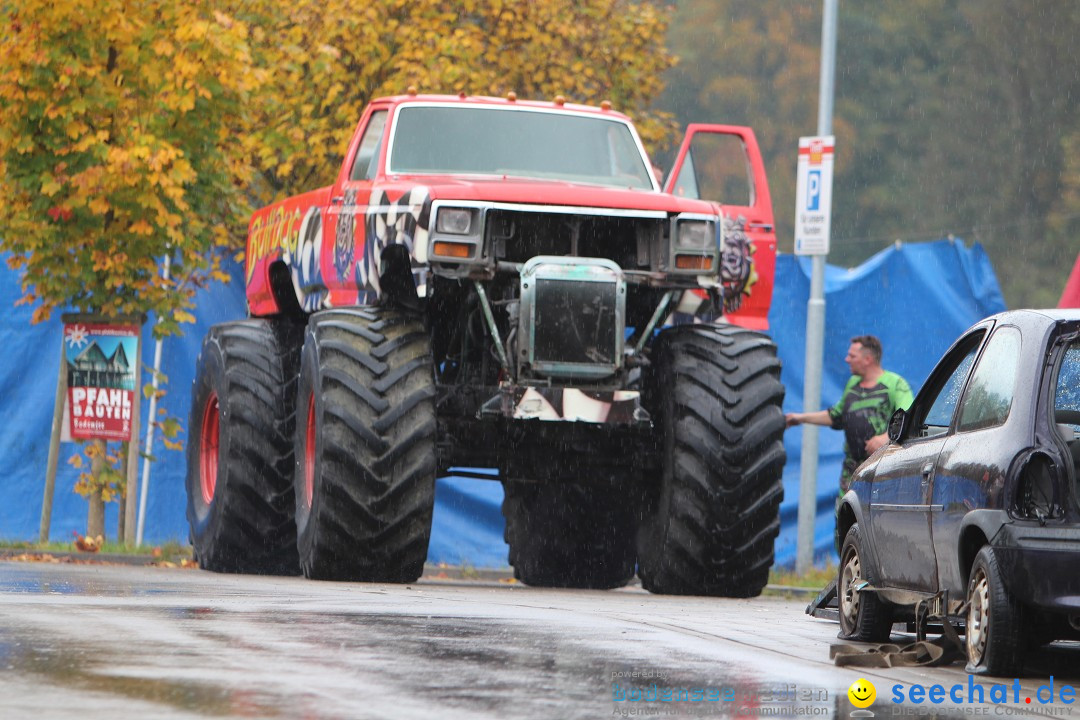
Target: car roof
{"x":1055,"y":315}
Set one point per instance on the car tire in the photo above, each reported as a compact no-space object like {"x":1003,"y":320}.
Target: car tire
{"x":711,"y":520}
{"x":239,"y":459}
{"x":365,"y":446}
{"x":995,"y":629}
{"x":570,"y":535}
{"x":864,"y":617}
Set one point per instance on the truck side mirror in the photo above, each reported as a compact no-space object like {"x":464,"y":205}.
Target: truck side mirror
{"x":898,"y":425}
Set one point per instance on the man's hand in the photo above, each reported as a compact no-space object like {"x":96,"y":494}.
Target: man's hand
{"x":821,"y":417}
{"x":876,"y":442}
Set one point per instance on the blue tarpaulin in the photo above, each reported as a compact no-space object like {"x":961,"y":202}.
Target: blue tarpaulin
{"x":916,"y":298}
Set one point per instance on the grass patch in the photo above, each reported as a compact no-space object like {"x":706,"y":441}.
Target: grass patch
{"x":815,"y":578}
{"x":171,"y":551}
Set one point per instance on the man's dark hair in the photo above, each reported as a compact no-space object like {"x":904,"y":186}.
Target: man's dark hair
{"x":870,"y":344}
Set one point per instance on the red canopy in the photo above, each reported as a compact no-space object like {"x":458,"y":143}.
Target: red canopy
{"x":1070,"y":296}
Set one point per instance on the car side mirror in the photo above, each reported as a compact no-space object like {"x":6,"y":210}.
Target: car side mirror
{"x":898,"y":425}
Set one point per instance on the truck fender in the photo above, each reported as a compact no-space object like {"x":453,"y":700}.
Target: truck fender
{"x":403,"y":222}
{"x":304,"y":269}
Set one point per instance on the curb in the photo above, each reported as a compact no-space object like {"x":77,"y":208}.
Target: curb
{"x":432,"y":572}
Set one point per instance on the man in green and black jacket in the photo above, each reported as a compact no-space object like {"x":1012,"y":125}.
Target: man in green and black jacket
{"x":871,"y":396}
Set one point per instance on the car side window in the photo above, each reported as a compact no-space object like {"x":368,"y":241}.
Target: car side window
{"x":990,"y":394}
{"x":1067,"y":393}
{"x":363,"y":167}
{"x":939,"y":408}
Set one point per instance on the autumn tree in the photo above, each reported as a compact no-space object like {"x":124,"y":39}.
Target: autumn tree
{"x":325,"y":59}
{"x":118,"y":145}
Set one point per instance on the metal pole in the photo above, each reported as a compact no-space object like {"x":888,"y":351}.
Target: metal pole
{"x":151,"y":415}
{"x":815,"y":317}
{"x":54,"y":447}
{"x":133,"y":450}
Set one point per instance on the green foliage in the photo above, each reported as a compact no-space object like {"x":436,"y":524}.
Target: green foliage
{"x":950,"y":118}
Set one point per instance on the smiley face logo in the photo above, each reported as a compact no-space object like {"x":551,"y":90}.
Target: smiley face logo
{"x":862,"y":693}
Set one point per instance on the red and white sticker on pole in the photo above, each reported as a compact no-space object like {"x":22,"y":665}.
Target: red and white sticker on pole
{"x":813,"y":195}
{"x":101,"y":375}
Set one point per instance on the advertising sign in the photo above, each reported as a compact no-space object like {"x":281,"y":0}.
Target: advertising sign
{"x":101,"y":364}
{"x":813,"y":195}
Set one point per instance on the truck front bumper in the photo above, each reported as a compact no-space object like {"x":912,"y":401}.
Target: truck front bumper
{"x":565,"y":404}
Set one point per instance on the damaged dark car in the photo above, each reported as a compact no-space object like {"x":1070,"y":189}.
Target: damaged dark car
{"x":973,"y":509}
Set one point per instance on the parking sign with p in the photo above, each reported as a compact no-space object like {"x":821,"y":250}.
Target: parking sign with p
{"x":814,"y":195}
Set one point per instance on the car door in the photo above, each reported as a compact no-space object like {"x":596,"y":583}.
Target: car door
{"x":900,"y":498}
{"x":972,"y":464}
{"x":723,"y":164}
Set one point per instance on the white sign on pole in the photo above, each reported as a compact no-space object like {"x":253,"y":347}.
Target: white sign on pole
{"x":813,"y":195}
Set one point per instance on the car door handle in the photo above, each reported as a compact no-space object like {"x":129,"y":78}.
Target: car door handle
{"x":928,"y":470}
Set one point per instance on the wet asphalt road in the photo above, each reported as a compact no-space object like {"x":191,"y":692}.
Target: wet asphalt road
{"x":98,"y":641}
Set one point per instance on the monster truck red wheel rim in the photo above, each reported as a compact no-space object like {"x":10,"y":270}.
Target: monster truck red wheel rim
{"x":208,"y":449}
{"x":309,"y":452}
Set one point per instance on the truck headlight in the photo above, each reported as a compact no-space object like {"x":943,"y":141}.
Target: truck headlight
{"x":696,"y":235}
{"x":455,"y":221}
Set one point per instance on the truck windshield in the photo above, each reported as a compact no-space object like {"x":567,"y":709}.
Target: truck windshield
{"x":517,"y":143}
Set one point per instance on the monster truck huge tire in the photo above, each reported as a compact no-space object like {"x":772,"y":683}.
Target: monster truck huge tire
{"x":569,"y":535}
{"x":709,"y":526}
{"x":365,"y":446}
{"x":240,"y":456}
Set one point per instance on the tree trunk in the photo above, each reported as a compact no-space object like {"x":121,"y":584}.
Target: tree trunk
{"x":121,"y":502}
{"x":95,"y":517}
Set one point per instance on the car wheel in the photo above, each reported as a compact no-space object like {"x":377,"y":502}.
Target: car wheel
{"x":863,"y":615}
{"x":994,"y":630}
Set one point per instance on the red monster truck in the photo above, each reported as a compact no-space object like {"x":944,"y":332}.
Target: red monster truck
{"x":486,"y":286}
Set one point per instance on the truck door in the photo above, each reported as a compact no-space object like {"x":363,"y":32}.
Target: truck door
{"x":346,"y":215}
{"x":722,"y":163}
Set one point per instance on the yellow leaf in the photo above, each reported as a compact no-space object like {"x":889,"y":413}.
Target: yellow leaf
{"x":141,"y":227}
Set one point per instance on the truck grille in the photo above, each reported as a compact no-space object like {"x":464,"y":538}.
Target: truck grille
{"x":574,"y":322}
{"x":518,"y":236}
{"x":573,"y":314}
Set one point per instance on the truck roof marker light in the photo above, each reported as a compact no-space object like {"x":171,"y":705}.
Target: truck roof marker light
{"x":511,"y":96}
{"x":560,"y":100}
{"x":412,"y":90}
{"x":461,"y":95}
{"x":605,"y":105}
